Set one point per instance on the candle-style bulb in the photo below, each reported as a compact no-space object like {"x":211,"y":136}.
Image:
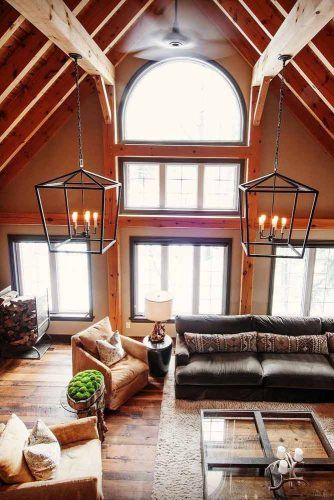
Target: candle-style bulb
{"x":95,"y":218}
{"x":87,"y":217}
{"x":262,"y":220}
{"x":298,"y":455}
{"x":283,"y":222}
{"x":280,"y":453}
{"x":75,"y":220}
{"x":274,"y":221}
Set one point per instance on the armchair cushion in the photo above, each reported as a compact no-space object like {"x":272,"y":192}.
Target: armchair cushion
{"x":99,"y":331}
{"x":13,"y":468}
{"x":126,"y":370}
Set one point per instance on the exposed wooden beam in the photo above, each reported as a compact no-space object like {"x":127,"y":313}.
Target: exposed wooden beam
{"x":104,"y":98}
{"x":261,"y":99}
{"x":304,"y":21}
{"x":258,"y":39}
{"x":184,"y":151}
{"x":47,"y":72}
{"x":28,"y":56}
{"x":60,"y":25}
{"x":306,"y":62}
{"x":322,"y":44}
{"x":253,"y":171}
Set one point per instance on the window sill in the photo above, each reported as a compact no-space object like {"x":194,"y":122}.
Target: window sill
{"x":71,"y":317}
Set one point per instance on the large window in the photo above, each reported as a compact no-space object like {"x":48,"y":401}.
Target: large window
{"x":65,"y":276}
{"x":183,"y":100}
{"x":194,"y":270}
{"x":158,"y":186}
{"x":304,"y":287}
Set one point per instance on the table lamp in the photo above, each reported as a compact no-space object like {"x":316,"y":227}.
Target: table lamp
{"x":158,"y":308}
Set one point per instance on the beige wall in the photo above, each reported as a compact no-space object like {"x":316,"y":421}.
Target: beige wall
{"x":301,"y":157}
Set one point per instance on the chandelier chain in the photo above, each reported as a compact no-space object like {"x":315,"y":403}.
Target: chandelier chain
{"x":279,"y":120}
{"x":78,"y":113}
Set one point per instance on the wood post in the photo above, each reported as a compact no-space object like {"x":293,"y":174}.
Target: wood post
{"x":253,"y":169}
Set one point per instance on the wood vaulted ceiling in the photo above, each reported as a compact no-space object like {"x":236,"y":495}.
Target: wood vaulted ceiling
{"x":36,"y":82}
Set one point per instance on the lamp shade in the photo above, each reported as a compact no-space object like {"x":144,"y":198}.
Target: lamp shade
{"x":158,"y":306}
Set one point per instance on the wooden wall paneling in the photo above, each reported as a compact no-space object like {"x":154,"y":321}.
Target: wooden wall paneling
{"x":239,"y":16}
{"x":51,"y":126}
{"x":253,"y":171}
{"x":306,"y":62}
{"x":10,"y":21}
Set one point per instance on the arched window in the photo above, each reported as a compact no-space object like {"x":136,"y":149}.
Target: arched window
{"x":183,"y":101}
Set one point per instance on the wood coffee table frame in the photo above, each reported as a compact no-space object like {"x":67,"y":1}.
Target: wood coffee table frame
{"x":261,"y":463}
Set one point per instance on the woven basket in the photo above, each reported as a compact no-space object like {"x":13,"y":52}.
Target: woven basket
{"x":85,"y":404}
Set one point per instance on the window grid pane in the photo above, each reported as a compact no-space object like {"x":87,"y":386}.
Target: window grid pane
{"x":288,"y":286}
{"x":322,"y":297}
{"x":34,"y":269}
{"x":173,"y":264}
{"x":142,"y":185}
{"x":181,"y":186}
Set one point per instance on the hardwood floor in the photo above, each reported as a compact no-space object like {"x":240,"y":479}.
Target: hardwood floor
{"x":32,"y":389}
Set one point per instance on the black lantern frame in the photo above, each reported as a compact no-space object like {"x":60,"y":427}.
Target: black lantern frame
{"x":84,"y":181}
{"x":279,"y":185}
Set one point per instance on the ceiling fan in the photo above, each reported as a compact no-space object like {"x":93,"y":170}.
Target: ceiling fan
{"x":179,"y":42}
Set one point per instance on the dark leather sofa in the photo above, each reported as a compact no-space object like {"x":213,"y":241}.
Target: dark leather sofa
{"x":249,"y":376}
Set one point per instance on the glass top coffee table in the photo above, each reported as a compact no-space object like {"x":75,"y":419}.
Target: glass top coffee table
{"x":237,"y":446}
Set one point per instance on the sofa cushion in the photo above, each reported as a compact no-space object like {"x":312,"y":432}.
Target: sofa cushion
{"x":284,"y":325}
{"x":327,"y":325}
{"x":13,"y":468}
{"x":100,"y":331}
{"x":126,"y":370}
{"x":214,"y":323}
{"x":81,"y":459}
{"x":297,"y":371}
{"x":220,"y":369}
{"x":42,"y":452}
{"x":312,"y":344}
{"x":223,"y":342}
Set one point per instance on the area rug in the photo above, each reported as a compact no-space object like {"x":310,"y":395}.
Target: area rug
{"x":178,"y":471}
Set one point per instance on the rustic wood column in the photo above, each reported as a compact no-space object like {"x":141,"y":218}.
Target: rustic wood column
{"x":113,"y":255}
{"x":252,"y":172}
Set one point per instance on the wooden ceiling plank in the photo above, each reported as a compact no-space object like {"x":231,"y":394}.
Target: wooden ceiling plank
{"x":103,"y":94}
{"x":60,"y":25}
{"x":26,"y":59}
{"x":260,"y":101}
{"x":322,"y":44}
{"x":303,"y":22}
{"x":43,"y":111}
{"x":10,"y":20}
{"x":11,"y":30}
{"x":14,"y":110}
{"x":259,"y":40}
{"x":306,"y":62}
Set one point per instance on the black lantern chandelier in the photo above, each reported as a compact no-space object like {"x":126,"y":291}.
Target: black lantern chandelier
{"x":90,"y":203}
{"x":280,"y":199}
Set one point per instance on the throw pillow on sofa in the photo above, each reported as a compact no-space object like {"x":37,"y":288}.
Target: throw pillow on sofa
{"x":330,"y":341}
{"x":221,"y":342}
{"x":309,"y":344}
{"x":13,"y":467}
{"x":110,"y":352}
{"x":100,"y":331}
{"x":42,"y":452}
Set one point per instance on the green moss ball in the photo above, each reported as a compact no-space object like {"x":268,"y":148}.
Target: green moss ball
{"x":84,"y":384}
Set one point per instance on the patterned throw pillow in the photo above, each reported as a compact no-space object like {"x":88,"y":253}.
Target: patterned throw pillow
{"x":330,"y":341}
{"x":100,"y":331}
{"x":310,"y":344}
{"x":42,"y":452}
{"x":221,"y":342}
{"x":110,"y":352}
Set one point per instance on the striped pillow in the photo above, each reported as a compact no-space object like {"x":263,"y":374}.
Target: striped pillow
{"x":221,"y":342}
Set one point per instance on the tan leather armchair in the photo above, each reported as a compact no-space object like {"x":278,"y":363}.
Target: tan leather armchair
{"x":79,"y":476}
{"x":122,"y":380}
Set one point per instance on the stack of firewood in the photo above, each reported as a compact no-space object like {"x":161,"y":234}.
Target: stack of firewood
{"x":18,"y":320}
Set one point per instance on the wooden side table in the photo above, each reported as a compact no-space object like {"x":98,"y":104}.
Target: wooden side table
{"x":94,"y":410}
{"x":159,"y":354}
